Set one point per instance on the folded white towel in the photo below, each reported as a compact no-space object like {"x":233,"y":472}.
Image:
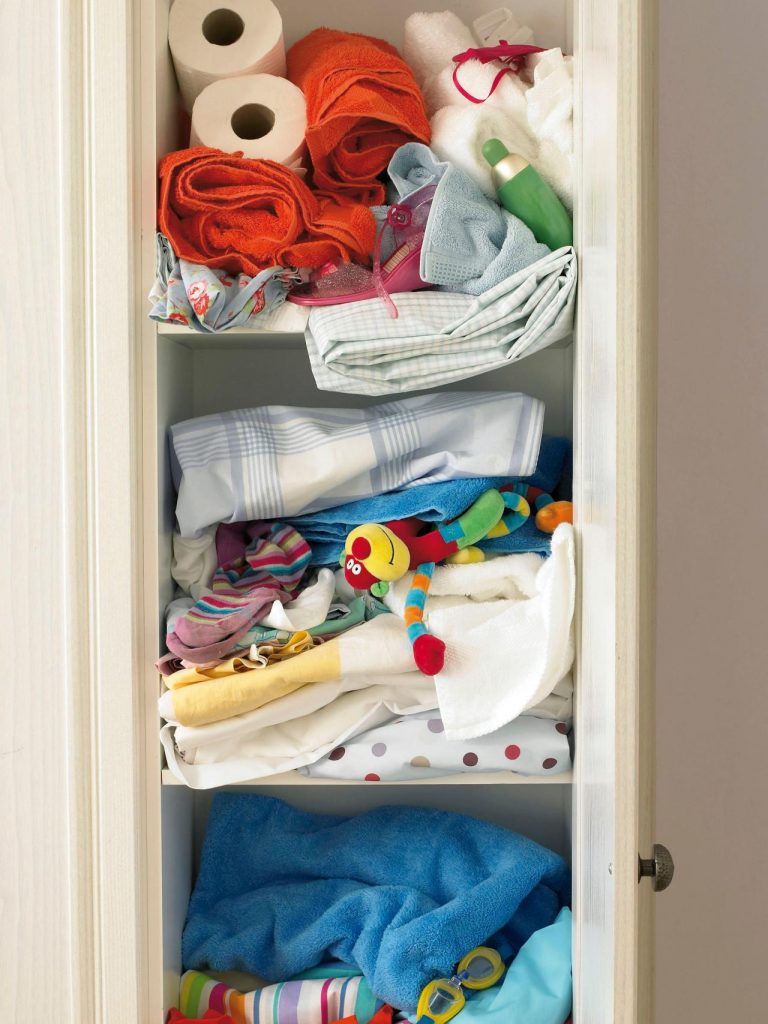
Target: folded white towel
{"x":290,"y":732}
{"x":507,"y":647}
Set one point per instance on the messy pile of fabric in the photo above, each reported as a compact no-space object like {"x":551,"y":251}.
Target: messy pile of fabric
{"x":407,"y":257}
{"x":329,"y":926}
{"x":276,"y":662}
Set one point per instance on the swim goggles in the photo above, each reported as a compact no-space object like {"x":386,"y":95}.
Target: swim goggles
{"x":441,"y":1000}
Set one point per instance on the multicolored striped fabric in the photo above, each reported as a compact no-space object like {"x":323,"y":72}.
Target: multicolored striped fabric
{"x":315,"y":1001}
{"x":242,"y":592}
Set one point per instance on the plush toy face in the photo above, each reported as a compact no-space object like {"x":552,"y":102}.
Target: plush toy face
{"x":373,"y":553}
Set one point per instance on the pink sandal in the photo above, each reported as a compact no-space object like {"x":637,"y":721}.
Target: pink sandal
{"x":337,"y":283}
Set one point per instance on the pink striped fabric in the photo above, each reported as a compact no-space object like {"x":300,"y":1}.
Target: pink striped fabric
{"x":243,"y":591}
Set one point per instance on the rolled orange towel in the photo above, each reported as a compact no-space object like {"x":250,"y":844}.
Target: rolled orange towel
{"x":362,"y":104}
{"x":244,"y":216}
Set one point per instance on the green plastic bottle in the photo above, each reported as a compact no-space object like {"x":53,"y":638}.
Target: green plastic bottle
{"x":524,"y":192}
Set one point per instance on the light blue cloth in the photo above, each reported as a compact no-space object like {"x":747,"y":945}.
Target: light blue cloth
{"x":326,"y":531}
{"x":210,"y":300}
{"x":441,"y":337}
{"x":277,"y":461}
{"x":401,"y":892}
{"x":537,"y":988}
{"x":470,"y":243}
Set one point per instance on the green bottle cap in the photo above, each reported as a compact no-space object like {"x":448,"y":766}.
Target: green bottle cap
{"x":494,"y":150}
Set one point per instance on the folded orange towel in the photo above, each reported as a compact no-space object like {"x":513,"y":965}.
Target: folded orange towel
{"x":362,"y":104}
{"x":247,"y":215}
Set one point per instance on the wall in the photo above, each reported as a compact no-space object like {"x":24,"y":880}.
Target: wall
{"x":712,"y":685}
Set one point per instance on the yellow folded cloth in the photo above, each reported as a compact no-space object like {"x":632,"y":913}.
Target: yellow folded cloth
{"x":379,"y":647}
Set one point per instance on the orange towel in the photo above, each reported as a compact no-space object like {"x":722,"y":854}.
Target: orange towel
{"x":248,"y":215}
{"x":362,"y":104}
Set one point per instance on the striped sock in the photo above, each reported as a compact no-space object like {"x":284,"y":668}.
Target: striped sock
{"x":242,"y":592}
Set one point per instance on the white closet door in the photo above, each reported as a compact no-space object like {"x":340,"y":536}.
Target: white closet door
{"x":72,"y":858}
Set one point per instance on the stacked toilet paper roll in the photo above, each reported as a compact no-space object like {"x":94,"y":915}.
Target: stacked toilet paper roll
{"x":261,"y":115}
{"x":216,"y":39}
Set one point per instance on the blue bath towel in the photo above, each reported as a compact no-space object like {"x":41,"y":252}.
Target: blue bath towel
{"x":401,"y":892}
{"x":326,"y":530}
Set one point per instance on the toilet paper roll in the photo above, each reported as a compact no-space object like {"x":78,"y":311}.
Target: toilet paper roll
{"x":214,"y":39}
{"x":262,"y":115}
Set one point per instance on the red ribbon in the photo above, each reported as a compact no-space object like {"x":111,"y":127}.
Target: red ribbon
{"x":511,"y":56}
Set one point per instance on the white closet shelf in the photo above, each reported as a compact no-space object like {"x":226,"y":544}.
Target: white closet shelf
{"x":484,"y":779}
{"x":232,"y":340}
{"x":252,"y":338}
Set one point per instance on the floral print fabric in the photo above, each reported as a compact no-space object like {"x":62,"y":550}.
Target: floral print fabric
{"x":210,"y":300}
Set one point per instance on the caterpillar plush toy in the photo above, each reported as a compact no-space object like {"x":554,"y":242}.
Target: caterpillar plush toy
{"x":376,"y":554}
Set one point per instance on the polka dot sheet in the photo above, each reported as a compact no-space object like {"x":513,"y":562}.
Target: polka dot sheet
{"x":414,"y":747}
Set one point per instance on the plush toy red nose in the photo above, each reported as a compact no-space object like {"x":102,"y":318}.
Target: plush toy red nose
{"x":361,"y":548}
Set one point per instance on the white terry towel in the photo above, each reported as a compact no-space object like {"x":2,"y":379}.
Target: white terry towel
{"x":507,"y":624}
{"x":533,"y":119}
{"x":432,"y":41}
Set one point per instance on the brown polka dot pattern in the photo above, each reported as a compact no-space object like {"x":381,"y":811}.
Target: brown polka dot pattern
{"x":336,"y":754}
{"x":549,"y":762}
{"x":470,"y":759}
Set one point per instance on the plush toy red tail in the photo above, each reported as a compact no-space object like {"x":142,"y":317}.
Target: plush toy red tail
{"x":429,"y":654}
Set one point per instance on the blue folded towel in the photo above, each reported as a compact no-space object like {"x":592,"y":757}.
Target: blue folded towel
{"x":326,"y":530}
{"x":470,"y":243}
{"x":401,"y":892}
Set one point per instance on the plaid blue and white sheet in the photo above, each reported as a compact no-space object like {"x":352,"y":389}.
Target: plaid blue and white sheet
{"x":442,"y":337}
{"x":278,"y":460}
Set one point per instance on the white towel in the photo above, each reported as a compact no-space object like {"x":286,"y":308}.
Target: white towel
{"x":309,"y":609}
{"x":509,"y":644}
{"x":431,"y":42}
{"x":533,"y":119}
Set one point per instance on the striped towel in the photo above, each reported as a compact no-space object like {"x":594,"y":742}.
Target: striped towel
{"x":314,"y":1001}
{"x":278,"y":461}
{"x":442,"y":337}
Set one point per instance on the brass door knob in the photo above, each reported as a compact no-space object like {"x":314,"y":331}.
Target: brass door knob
{"x":660,"y":868}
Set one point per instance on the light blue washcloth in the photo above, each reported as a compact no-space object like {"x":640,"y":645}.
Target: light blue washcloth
{"x":401,"y":892}
{"x":470,"y":243}
{"x":537,"y":988}
{"x":326,"y":531}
